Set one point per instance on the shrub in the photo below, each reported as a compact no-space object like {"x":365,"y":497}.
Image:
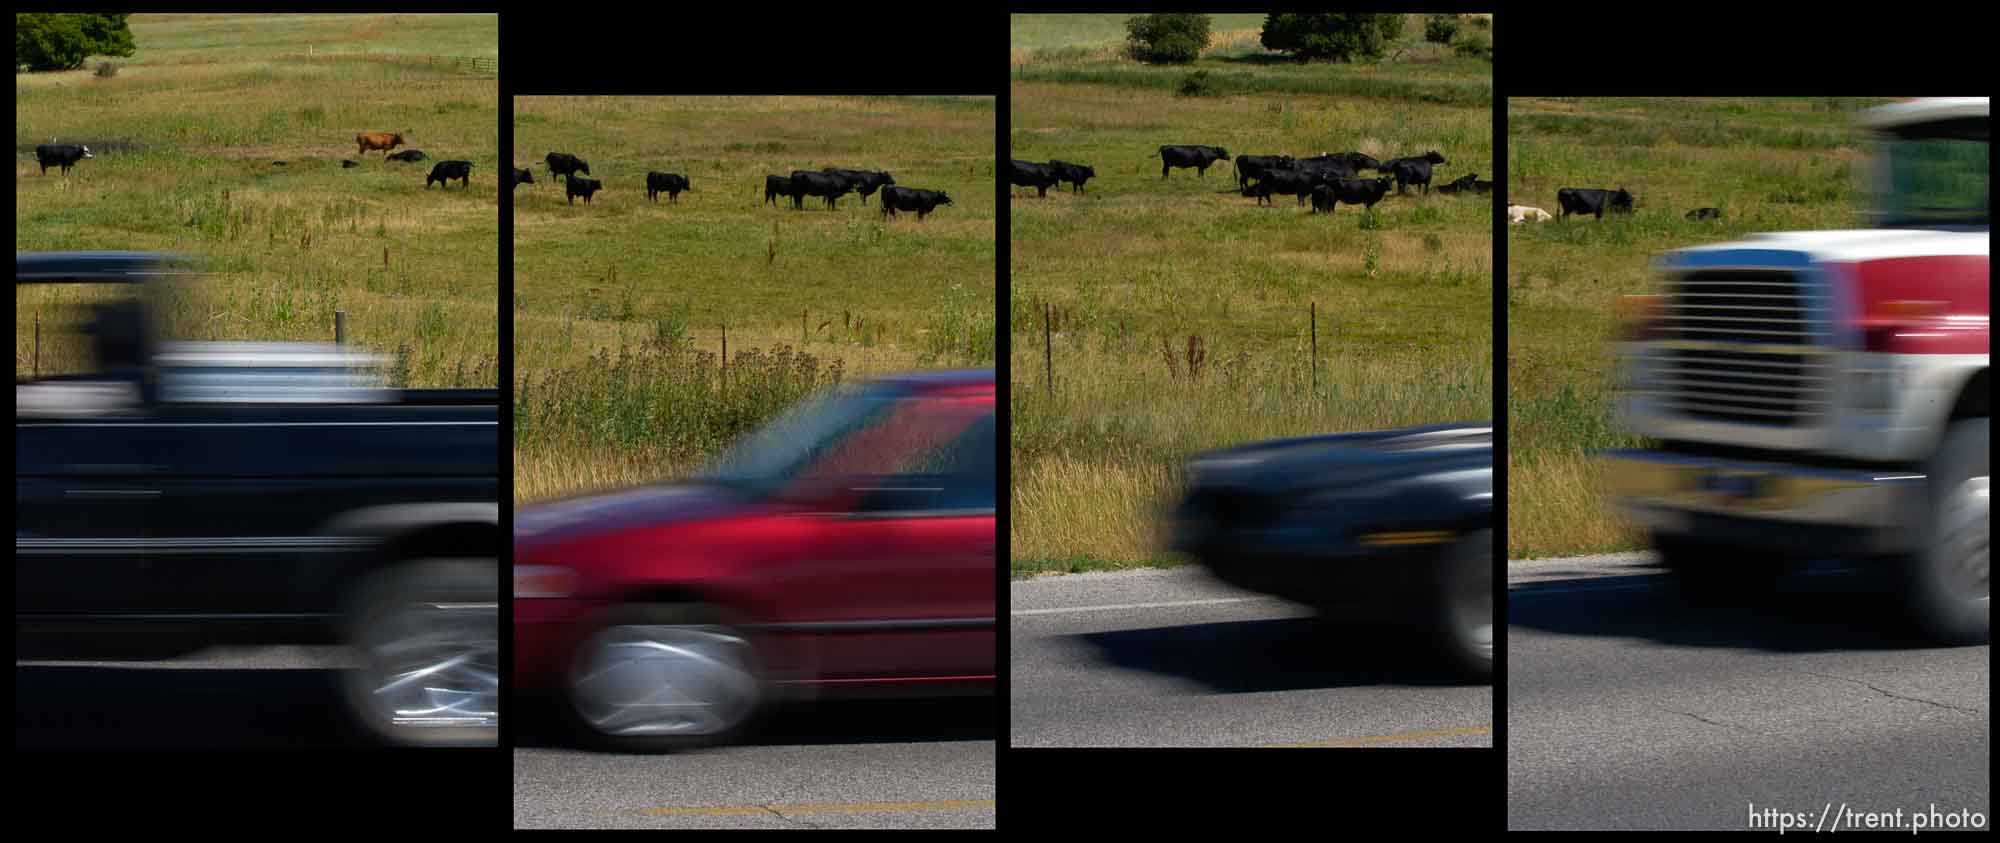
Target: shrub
{"x":1332,"y":37}
{"x":1482,"y":22}
{"x":63,"y":41}
{"x":106,"y":70}
{"x":1440,"y":29}
{"x":1167,"y":38}
{"x":1475,"y":45}
{"x":1197,"y":84}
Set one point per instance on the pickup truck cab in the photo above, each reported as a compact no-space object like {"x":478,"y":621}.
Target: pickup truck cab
{"x":175,"y":496}
{"x":1825,"y":393}
{"x":846,"y":549}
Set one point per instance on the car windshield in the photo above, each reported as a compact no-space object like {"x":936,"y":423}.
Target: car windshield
{"x":768,"y":458}
{"x":1936,"y":175}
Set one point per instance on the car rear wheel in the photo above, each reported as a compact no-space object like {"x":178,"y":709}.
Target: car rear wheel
{"x":664,"y":678}
{"x":426,"y":634}
{"x":1946,"y":584}
{"x":1463,"y":625}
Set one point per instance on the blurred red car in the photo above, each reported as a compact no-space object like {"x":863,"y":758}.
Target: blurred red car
{"x":847,"y":548}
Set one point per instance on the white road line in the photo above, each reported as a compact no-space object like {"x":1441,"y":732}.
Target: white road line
{"x":1118,"y":606}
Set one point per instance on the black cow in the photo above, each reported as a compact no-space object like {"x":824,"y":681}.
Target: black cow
{"x":566,"y":165}
{"x":1352,"y":191}
{"x":1591,"y":200}
{"x":911,"y":199}
{"x":827,"y":186}
{"x":346,"y":164}
{"x":1413,"y":170}
{"x":866,"y":182}
{"x":61,"y":154}
{"x":669,"y":183}
{"x":1041,"y":177}
{"x":776,"y":186}
{"x":1462,"y":183}
{"x":1299,"y":183}
{"x":1705,"y":214}
{"x":576,"y":186}
{"x":1352,"y":161}
{"x":444,"y":171}
{"x":1198,"y":157}
{"x":1327,"y":170}
{"x":523,"y":175}
{"x":408,"y":156}
{"x":1250,"y":167}
{"x":1075,"y":174}
{"x":1482,"y":186}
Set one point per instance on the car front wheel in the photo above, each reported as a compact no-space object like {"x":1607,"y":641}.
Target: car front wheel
{"x":664,"y":678}
{"x":1463,"y":625}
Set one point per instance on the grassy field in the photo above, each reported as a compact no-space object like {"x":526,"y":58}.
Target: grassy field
{"x":1179,"y":311}
{"x":185,"y":136}
{"x":1769,"y":164}
{"x":620,"y":305}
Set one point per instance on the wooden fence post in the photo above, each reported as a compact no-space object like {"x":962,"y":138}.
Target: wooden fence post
{"x":1048,"y":348}
{"x":340,"y":327}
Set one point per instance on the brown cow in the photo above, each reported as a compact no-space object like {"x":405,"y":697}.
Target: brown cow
{"x":384,"y":141}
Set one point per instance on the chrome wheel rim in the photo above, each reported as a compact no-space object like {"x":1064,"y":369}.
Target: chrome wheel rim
{"x":664,"y":681}
{"x":1963,"y":535}
{"x":435,"y":665}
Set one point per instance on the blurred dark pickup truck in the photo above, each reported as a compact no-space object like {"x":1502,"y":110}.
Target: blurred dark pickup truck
{"x":175,"y":496}
{"x":1386,"y":525}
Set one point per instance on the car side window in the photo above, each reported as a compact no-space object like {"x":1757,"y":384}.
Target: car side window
{"x":959,"y":473}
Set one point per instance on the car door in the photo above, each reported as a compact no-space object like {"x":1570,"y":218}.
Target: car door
{"x":85,"y":492}
{"x":901,"y":582}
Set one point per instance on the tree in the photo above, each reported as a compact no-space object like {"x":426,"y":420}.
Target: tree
{"x":1336,"y":37}
{"x":1167,"y":38}
{"x":1440,"y":29}
{"x":63,"y":41}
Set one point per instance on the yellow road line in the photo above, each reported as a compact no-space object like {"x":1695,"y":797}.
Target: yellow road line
{"x":854,"y":808}
{"x":1372,"y":740}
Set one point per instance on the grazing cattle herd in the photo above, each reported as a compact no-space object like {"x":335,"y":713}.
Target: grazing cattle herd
{"x":65,"y":156}
{"x":1326,"y":180}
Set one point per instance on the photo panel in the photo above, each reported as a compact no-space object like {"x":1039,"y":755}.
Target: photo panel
{"x":756,"y":432}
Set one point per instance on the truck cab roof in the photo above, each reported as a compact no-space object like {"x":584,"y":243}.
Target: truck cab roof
{"x":97,"y":267}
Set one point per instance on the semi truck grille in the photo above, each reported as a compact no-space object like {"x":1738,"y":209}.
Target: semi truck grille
{"x":1745,"y":346}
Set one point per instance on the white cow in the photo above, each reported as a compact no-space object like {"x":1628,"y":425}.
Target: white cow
{"x":1517,"y":214}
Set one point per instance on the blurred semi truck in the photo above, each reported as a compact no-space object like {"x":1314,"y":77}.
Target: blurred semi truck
{"x":1825,"y":393}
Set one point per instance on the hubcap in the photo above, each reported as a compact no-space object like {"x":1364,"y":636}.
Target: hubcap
{"x":433,"y":665}
{"x":664,"y":680}
{"x":1963,"y":535}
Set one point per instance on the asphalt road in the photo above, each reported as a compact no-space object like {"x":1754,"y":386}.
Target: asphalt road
{"x":223,"y":697}
{"x":1629,"y":708}
{"x":873,"y":765}
{"x":1173,"y":658}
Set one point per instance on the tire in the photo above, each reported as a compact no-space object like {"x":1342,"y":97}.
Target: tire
{"x":663,"y":679}
{"x":1715,"y":574}
{"x":1945,"y":585}
{"x":434,"y":618}
{"x":1461,"y":621}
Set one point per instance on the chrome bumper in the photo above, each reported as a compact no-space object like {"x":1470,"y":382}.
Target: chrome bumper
{"x":1667,"y":492}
